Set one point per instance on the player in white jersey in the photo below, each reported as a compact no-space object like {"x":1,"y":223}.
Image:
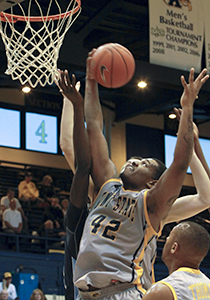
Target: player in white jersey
{"x":184,"y":250}
{"x":128,"y":235}
{"x":137,"y":175}
{"x":97,"y":266}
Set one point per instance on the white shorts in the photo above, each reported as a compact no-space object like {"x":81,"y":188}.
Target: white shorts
{"x":120,"y":291}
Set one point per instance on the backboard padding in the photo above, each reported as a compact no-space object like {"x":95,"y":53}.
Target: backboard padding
{"x":5,"y":4}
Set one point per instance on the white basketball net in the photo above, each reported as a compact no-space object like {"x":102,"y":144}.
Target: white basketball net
{"x":32,"y":53}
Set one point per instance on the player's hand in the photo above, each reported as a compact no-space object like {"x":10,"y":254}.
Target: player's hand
{"x":192,"y":88}
{"x":77,"y":86}
{"x":69,"y":88}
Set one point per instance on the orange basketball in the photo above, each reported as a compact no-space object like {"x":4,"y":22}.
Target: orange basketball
{"x":113,"y":65}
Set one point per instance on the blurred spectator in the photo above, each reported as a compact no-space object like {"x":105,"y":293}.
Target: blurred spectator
{"x":46,"y":190}
{"x":54,"y":213}
{"x":37,"y":294}
{"x":5,"y":205}
{"x":28,"y":192}
{"x":47,"y":229}
{"x":7,"y":285}
{"x":12,"y":222}
{"x":4,"y":295}
{"x":64,"y":205}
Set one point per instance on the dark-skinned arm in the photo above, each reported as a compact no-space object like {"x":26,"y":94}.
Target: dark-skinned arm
{"x":161,"y":197}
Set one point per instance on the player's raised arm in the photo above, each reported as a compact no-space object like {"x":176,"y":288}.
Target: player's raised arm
{"x":190,"y":205}
{"x":200,"y":154}
{"x":66,"y":132}
{"x":79,"y":188}
{"x":66,"y":129}
{"x":66,"y":136}
{"x":102,"y":167}
{"x":161,"y":197}
{"x":197,"y":145}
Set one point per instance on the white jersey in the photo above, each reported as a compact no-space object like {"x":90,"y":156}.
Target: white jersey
{"x":118,"y":241}
{"x":188,"y":284}
{"x":11,"y":291}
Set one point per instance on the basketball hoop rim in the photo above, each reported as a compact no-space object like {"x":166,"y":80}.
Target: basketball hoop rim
{"x":14,"y":18}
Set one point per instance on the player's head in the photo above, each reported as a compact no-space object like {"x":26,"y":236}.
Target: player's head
{"x":186,"y":246}
{"x":159,"y":170}
{"x":138,"y":172}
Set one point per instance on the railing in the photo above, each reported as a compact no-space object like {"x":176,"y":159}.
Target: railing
{"x":30,"y":243}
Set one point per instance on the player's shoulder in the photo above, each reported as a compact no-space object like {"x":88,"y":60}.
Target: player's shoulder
{"x":159,"y":291}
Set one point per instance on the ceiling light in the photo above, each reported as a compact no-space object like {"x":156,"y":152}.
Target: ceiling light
{"x":172,"y":116}
{"x":26,"y":89}
{"x":142,"y":84}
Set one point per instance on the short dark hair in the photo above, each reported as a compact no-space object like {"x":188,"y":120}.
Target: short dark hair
{"x":195,"y":237}
{"x":159,"y":170}
{"x":10,"y":189}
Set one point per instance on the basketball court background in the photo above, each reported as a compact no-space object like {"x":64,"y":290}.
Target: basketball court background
{"x":127,"y":23}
